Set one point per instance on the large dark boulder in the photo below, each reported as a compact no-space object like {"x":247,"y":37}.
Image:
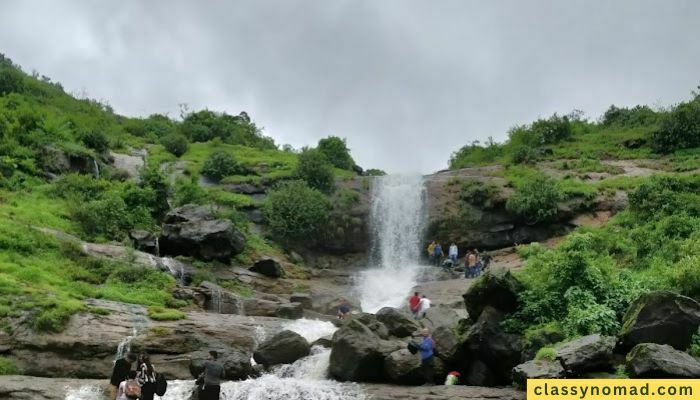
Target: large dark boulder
{"x":371,"y":321}
{"x":403,"y":367}
{"x":536,"y":369}
{"x":660,"y":317}
{"x":356,"y":354}
{"x":539,"y":338}
{"x":268,"y":267}
{"x":497,"y":288}
{"x":400,"y":324}
{"x":651,"y":360}
{"x":144,"y":241}
{"x":193,"y":231}
{"x":289,"y":311}
{"x":302,"y":298}
{"x":283,"y":348}
{"x":487,"y":342}
{"x":440,"y":316}
{"x":477,"y":373}
{"x":586,"y":354}
{"x":447,"y":344}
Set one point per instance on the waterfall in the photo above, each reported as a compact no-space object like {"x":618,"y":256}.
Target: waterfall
{"x":96,"y":168}
{"x":175,"y":268}
{"x":157,"y":247}
{"x":397,"y":221}
{"x":124,"y":346}
{"x":216,"y":300}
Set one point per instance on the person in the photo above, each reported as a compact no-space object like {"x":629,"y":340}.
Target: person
{"x":486,"y":260}
{"x":212,"y":376}
{"x":471,"y":264}
{"x":120,"y":372}
{"x":423,"y":306}
{"x":452,"y":378}
{"x":453,"y":253}
{"x":413,"y":304}
{"x":431,"y":251}
{"x":344,"y":309}
{"x":437,"y":253}
{"x":122,"y":391}
{"x":146,"y":376}
{"x":427,"y":352}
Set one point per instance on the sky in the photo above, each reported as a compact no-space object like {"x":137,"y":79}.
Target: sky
{"x":405,"y":82}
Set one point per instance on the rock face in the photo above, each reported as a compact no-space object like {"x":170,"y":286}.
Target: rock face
{"x":651,"y":360}
{"x":660,"y":317}
{"x":356,"y":355}
{"x":268,"y":267}
{"x":283,"y":348}
{"x":535,"y":370}
{"x":144,"y":241}
{"x":440,"y":316}
{"x":193,"y":231}
{"x":398,"y":323}
{"x":403,"y":367}
{"x":446,"y":344}
{"x":498,"y":289}
{"x":371,"y":321}
{"x":486,"y":344}
{"x":302,"y":298}
{"x":586,"y":354}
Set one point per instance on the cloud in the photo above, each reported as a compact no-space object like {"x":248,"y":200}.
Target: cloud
{"x":406,"y":82}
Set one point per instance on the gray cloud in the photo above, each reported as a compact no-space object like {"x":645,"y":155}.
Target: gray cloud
{"x":406,"y":82}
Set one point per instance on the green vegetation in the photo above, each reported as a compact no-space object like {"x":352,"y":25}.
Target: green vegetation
{"x":480,"y":194}
{"x":220,"y":164}
{"x":164,"y":314}
{"x":535,"y":200}
{"x":546,"y":353}
{"x":336,"y":151}
{"x":315,"y":169}
{"x":7,"y":367}
{"x":175,"y":143}
{"x":296,"y":212}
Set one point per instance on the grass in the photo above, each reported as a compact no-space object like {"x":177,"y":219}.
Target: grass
{"x":237,"y":287}
{"x":160,"y":331}
{"x":165,"y":314}
{"x":7,"y":367}
{"x":546,"y":353}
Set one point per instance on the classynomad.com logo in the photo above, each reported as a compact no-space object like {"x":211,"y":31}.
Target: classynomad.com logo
{"x":613,"y":389}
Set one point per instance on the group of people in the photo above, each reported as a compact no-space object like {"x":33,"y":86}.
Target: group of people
{"x":144,"y":383}
{"x":418,"y":305}
{"x":474,"y":262}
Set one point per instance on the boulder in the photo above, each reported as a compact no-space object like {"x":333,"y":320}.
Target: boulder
{"x":487,"y":342}
{"x":289,"y":311}
{"x":651,"y":360}
{"x":220,"y":300}
{"x":260,"y":307}
{"x":478,"y":373}
{"x":403,"y":367}
{"x":268,"y":267}
{"x":304,"y":299}
{"x":447,"y":344}
{"x":193,"y":231}
{"x":371,"y":321}
{"x":236,"y":364}
{"x":355,"y":354}
{"x":539,"y":338}
{"x":660,"y":317}
{"x":536,"y":369}
{"x":497,"y":288}
{"x":283,"y":348}
{"x":326,"y":342}
{"x":144,"y":241}
{"x":586,"y":354}
{"x":440,"y":316}
{"x":398,"y":323}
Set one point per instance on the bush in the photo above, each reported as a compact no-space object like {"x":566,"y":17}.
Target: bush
{"x":221,"y":164}
{"x":374,"y":172}
{"x":629,"y":117}
{"x":336,"y":151}
{"x":523,"y":155}
{"x":535,"y":200}
{"x":155,"y":180}
{"x":315,"y":170}
{"x":546,"y":353}
{"x":96,"y":140}
{"x":110,"y":217}
{"x":678,"y":130}
{"x":475,"y":154}
{"x":7,"y":367}
{"x":175,"y":143}
{"x":164,"y":314}
{"x":11,"y":80}
{"x":188,"y":191}
{"x":296,"y":212}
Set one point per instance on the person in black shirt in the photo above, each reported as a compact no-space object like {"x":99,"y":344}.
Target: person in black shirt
{"x":120,"y":373}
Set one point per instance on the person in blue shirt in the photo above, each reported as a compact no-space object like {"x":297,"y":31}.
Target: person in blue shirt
{"x":437,"y":254}
{"x":427,"y":355}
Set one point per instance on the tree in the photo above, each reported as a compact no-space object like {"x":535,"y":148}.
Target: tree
{"x":221,"y":164}
{"x":315,"y":170}
{"x":336,"y":151}
{"x":295,"y":212}
{"x":175,"y":143}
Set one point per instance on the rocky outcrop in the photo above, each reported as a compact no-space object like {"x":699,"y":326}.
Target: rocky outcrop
{"x":536,"y":369}
{"x":586,"y":354}
{"x":144,"y":241}
{"x":268,"y":267}
{"x":194,"y":231}
{"x":498,"y":289}
{"x":304,"y":299}
{"x":447,"y":344}
{"x":57,"y":161}
{"x":371,"y":321}
{"x":660,"y":317}
{"x":398,"y":323}
{"x":403,"y":367}
{"x":283,"y":348}
{"x":651,"y":360}
{"x":440,"y":316}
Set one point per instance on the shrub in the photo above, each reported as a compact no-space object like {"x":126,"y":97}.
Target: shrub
{"x":96,"y":140}
{"x":374,"y":172}
{"x":336,"y":151}
{"x":220,"y":164}
{"x":81,"y":187}
{"x":629,"y":117}
{"x":155,"y":180}
{"x":535,"y":200}
{"x":7,"y":367}
{"x":546,"y":353}
{"x":188,"y":191}
{"x":175,"y":143}
{"x":315,"y":170}
{"x":475,"y":154}
{"x":680,"y":129}
{"x":296,"y":212}
{"x":164,"y":314}
{"x":480,"y":194}
{"x":11,"y":80}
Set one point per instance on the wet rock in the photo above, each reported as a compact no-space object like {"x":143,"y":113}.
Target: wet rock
{"x":398,"y":323}
{"x":403,"y":367}
{"x":303,"y":298}
{"x":326,"y":342}
{"x":193,"y":231}
{"x":651,"y":360}
{"x":660,"y":317}
{"x":536,"y":369}
{"x":283,"y":348}
{"x":268,"y":267}
{"x":289,"y":311}
{"x":236,"y":364}
{"x":586,"y":354}
{"x":440,"y":316}
{"x":355,"y":354}
{"x":222,"y":301}
{"x":144,"y":241}
{"x":447,"y":344}
{"x":496,"y":288}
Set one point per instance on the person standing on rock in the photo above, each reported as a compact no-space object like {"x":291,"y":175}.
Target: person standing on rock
{"x":212,"y":376}
{"x":423,"y":306}
{"x":146,"y":376}
{"x":427,"y":356}
{"x":437,"y":253}
{"x":120,"y":372}
{"x":431,"y":251}
{"x":414,"y":304}
{"x":453,"y":253}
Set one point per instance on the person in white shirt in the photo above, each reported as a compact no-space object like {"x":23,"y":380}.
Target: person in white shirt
{"x":423,"y":306}
{"x":453,"y":253}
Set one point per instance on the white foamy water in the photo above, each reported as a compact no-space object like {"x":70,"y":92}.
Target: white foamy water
{"x":85,"y":393}
{"x":397,"y":221}
{"x":311,"y":329}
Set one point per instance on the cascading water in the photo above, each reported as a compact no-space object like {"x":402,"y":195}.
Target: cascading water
{"x":397,"y":220}
{"x":124,"y":346}
{"x":216,"y":300}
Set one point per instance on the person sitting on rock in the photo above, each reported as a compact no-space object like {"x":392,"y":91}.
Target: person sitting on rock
{"x":146,"y":376}
{"x":211,"y":378}
{"x":344,"y":309}
{"x":427,"y":355}
{"x":120,"y":372}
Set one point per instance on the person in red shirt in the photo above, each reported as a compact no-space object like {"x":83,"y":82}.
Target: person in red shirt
{"x":414,"y":303}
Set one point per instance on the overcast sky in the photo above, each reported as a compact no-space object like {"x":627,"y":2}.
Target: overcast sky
{"x":406,"y":82}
